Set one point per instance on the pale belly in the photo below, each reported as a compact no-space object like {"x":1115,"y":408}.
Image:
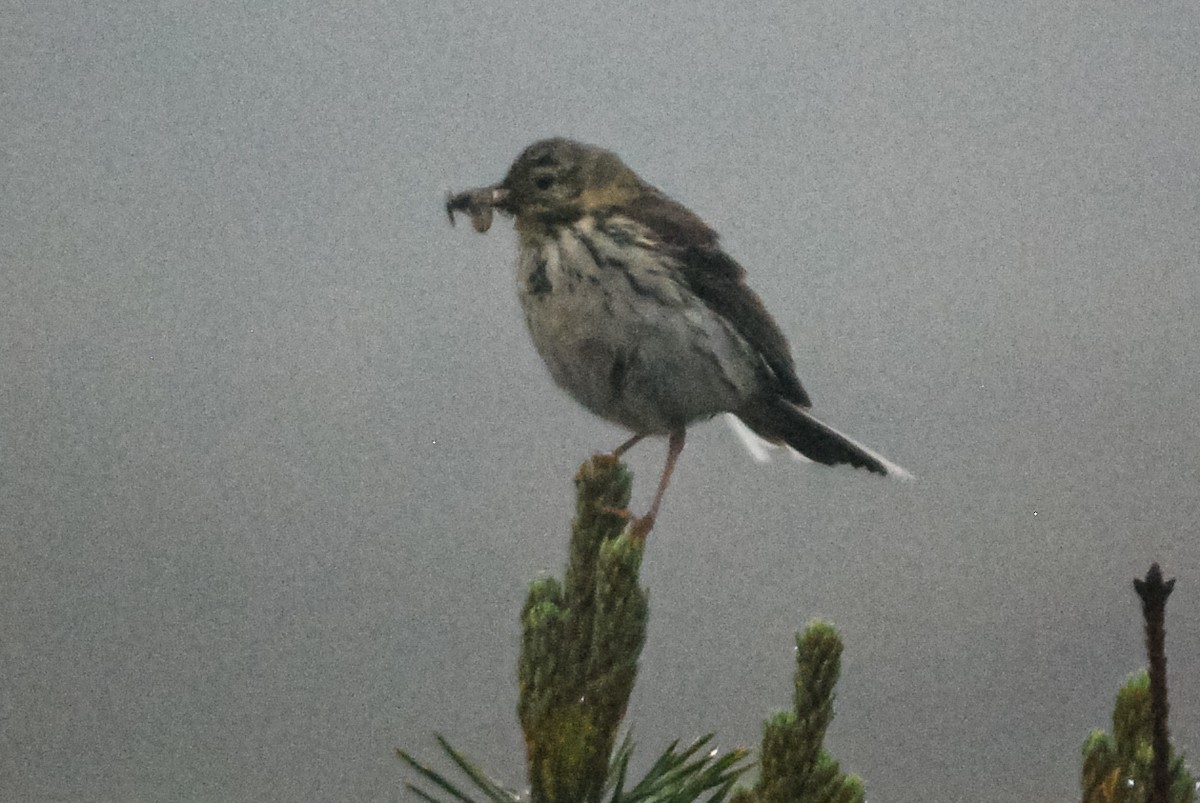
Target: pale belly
{"x":645,"y":354}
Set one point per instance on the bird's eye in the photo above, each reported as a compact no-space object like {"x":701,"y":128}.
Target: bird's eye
{"x":543,"y":182}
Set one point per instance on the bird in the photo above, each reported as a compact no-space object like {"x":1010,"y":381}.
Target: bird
{"x":641,"y":315}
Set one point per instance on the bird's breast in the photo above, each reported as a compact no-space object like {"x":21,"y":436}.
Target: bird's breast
{"x":623,"y":335}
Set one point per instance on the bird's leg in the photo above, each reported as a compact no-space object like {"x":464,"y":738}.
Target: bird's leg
{"x":615,"y":454}
{"x":642,"y":526}
{"x":626,"y":446}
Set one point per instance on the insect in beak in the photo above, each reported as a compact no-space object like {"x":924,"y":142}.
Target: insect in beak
{"x":478,"y":204}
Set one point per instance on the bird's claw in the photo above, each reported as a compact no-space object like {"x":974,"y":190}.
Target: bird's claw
{"x":640,"y":526}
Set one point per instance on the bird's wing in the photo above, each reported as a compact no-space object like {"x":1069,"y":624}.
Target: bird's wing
{"x":717,"y":280}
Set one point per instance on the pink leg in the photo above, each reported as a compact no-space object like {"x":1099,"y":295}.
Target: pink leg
{"x":616,"y":455}
{"x":627,"y":445}
{"x":642,"y":527}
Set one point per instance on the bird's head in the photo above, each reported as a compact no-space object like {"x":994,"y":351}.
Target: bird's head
{"x":552,"y":182}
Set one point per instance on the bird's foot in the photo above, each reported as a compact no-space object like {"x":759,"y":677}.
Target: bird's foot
{"x":607,"y":457}
{"x":620,"y":512}
{"x":640,"y":526}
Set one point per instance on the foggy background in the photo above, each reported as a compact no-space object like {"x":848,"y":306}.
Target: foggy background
{"x":277,"y":459}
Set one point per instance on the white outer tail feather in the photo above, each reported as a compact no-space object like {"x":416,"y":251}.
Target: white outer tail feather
{"x":762,"y":450}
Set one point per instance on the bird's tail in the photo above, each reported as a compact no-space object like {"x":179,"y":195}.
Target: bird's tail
{"x":784,"y":424}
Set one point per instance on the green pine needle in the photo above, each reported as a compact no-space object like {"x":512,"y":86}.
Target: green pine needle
{"x":491,"y":790}
{"x":675,"y":779}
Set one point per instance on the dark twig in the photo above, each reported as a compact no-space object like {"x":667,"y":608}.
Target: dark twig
{"x":1154,"y":592}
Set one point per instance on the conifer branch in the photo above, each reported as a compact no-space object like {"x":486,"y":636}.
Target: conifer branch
{"x":795,"y":768}
{"x":1153,"y":592}
{"x":580,"y":645}
{"x":1136,"y":764}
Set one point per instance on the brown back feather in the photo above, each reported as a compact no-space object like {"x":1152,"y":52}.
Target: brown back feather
{"x":719,"y":281}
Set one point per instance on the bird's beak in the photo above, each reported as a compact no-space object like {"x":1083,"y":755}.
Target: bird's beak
{"x":478,"y":204}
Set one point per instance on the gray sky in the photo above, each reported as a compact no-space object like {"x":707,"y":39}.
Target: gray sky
{"x":278,"y":459}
